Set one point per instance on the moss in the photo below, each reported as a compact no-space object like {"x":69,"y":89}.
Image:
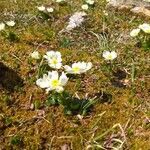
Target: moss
{"x":22,"y":127}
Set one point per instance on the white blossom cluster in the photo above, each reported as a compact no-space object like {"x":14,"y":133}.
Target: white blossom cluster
{"x":45,"y":9}
{"x":8,"y":23}
{"x":145,"y":27}
{"x":52,"y":80}
{"x":87,"y":4}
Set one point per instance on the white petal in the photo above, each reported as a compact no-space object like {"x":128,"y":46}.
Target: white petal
{"x":55,"y":66}
{"x":59,"y":89}
{"x":85,"y":7}
{"x":2,"y":26}
{"x":58,"y":1}
{"x":58,"y":54}
{"x":49,"y":74}
{"x":48,"y":89}
{"x":50,"y":53}
{"x":59,"y":59}
{"x":41,"y":8}
{"x":54,"y":75}
{"x":105,"y":54}
{"x":63,"y":79}
{"x":76,"y":64}
{"x":35,"y":55}
{"x":42,"y":82}
{"x":134,"y":32}
{"x":90,"y":2}
{"x":50,"y":9}
{"x":67,"y":68}
{"x":114,"y":54}
{"x":58,"y":65}
{"x":89,"y":65}
{"x":10,"y":23}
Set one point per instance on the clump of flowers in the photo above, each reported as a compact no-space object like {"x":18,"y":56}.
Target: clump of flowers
{"x":54,"y":81}
{"x":90,"y":2}
{"x":142,"y":33}
{"x":8,"y":23}
{"x":45,"y":9}
{"x":75,"y":20}
{"x":87,"y":4}
{"x":45,"y":12}
{"x":7,"y":32}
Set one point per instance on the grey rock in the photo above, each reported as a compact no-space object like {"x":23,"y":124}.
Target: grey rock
{"x":137,"y":3}
{"x":136,"y":6}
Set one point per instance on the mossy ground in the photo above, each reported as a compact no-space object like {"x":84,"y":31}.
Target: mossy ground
{"x":47,"y":127}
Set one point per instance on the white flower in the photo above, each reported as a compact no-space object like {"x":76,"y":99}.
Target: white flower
{"x":145,"y":27}
{"x":2,"y":26}
{"x":10,"y":23}
{"x":85,"y":7}
{"x":54,"y":59}
{"x":35,"y":55}
{"x":78,"y":68}
{"x":90,"y":2}
{"x":135,"y":32}
{"x":58,"y":1}
{"x":41,"y":8}
{"x":109,"y":55}
{"x":75,"y":20}
{"x":50,"y":9}
{"x":52,"y":81}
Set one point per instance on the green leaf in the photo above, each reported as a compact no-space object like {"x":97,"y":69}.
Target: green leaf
{"x":37,"y":104}
{"x":12,"y":37}
{"x":16,"y":140}
{"x":65,"y":42}
{"x":8,"y":121}
{"x":52,"y":100}
{"x":146,"y":45}
{"x":44,"y":15}
{"x":75,"y":105}
{"x":67,"y":111}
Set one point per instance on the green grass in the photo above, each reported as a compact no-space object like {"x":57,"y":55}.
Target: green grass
{"x":46,"y":127}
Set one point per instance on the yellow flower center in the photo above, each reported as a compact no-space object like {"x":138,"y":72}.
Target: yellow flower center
{"x":54,"y":61}
{"x":76,"y":69}
{"x":109,"y":57}
{"x":55,"y":83}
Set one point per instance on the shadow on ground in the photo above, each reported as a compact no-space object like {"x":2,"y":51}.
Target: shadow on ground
{"x":119,"y":75}
{"x":103,"y":97}
{"x":9,"y":79}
